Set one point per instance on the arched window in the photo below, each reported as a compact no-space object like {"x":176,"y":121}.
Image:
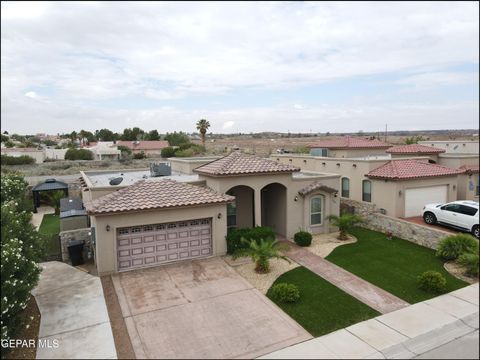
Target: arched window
{"x":316,"y":210}
{"x":367,"y":190}
{"x":345,"y":187}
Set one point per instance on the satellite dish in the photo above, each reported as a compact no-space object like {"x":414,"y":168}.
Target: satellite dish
{"x":116,"y":181}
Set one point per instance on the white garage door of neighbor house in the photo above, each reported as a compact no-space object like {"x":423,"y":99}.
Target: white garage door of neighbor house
{"x":149,"y":245}
{"x":416,"y":199}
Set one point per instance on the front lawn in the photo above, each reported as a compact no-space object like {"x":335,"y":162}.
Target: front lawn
{"x":392,"y":265}
{"x":322,"y":307}
{"x":50,"y":227}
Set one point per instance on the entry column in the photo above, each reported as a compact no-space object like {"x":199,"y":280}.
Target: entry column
{"x":258,"y":207}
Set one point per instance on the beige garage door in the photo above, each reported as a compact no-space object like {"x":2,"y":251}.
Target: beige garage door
{"x":417,"y":198}
{"x":149,"y":245}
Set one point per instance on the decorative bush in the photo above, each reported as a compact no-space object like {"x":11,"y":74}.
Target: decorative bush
{"x":345,"y":223}
{"x":432,"y":281}
{"x":303,"y":238}
{"x":17,"y":160}
{"x":21,"y":248}
{"x":285,"y":292}
{"x":168,"y":152}
{"x":140,"y":155}
{"x":234,"y":237}
{"x":470,"y":262}
{"x":78,"y":154}
{"x":453,"y":246}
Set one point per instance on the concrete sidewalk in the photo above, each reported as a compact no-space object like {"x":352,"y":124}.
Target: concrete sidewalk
{"x":38,"y":216}
{"x":73,"y":311}
{"x":420,"y":329}
{"x":367,"y":293}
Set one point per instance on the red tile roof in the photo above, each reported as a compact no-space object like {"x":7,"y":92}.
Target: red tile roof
{"x":410,"y":169}
{"x":349,"y":142}
{"x":470,"y":168}
{"x":147,"y":195}
{"x":238,"y":164}
{"x":316,"y":185}
{"x":144,"y":144}
{"x":414,"y":149}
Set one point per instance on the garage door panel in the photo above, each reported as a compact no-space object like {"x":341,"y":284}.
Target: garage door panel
{"x":149,"y":245}
{"x":417,"y":198}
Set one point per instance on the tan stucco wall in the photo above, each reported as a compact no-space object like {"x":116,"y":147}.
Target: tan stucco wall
{"x":106,"y":245}
{"x":464,"y":192}
{"x":186,"y":165}
{"x":352,"y":153}
{"x":295,"y":212}
{"x":456,"y":161}
{"x":433,"y":157}
{"x":39,"y":156}
{"x":462,"y":147}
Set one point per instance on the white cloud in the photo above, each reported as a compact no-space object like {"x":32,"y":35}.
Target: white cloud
{"x":228,"y":125}
{"x":436,"y":79}
{"x":23,"y":9}
{"x":298,"y":106}
{"x":31,"y":94}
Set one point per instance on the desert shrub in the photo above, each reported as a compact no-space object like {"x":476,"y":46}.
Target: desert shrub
{"x":453,"y":246}
{"x":17,"y":160}
{"x":168,"y":152}
{"x":470,"y":262}
{"x":303,"y":238}
{"x":21,"y":248}
{"x":432,"y":281}
{"x":78,"y":154}
{"x":285,"y":292}
{"x":184,"y":153}
{"x":140,"y":155}
{"x":234,"y":237}
{"x":124,"y":150}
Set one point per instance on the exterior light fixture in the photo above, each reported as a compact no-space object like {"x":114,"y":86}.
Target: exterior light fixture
{"x":107,"y":227}
{"x":335,"y":194}
{"x":296,"y":198}
{"x":219,"y":216}
{"x":338,"y":164}
{"x":454,"y":187}
{"x":354,"y":165}
{"x":400,"y":193}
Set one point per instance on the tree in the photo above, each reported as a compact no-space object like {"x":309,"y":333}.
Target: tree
{"x":124,"y":150}
{"x":345,"y":223}
{"x":106,"y":135}
{"x":177,"y":138}
{"x":73,"y":136}
{"x":5,"y":138}
{"x":414,"y":139}
{"x":132,"y":134}
{"x":202,"y":126}
{"x":152,"y":135}
{"x":78,"y":154}
{"x":53,"y":199}
{"x":261,"y":252}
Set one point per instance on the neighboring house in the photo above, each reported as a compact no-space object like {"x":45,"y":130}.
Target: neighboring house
{"x":37,"y":154}
{"x":417,"y":183}
{"x":413,"y":150}
{"x":469,"y":183}
{"x":455,"y":146}
{"x":184,"y":216}
{"x":104,"y":150}
{"x":149,"y":148}
{"x":348,"y":147}
{"x":55,"y":154}
{"x":72,"y":214}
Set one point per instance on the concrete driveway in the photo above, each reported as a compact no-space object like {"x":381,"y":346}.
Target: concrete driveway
{"x":200,"y":309}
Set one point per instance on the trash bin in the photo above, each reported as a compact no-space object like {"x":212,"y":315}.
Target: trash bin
{"x":75,"y":250}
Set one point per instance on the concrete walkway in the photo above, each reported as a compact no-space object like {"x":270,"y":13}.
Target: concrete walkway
{"x":38,"y":216}
{"x":73,"y":312}
{"x":423,"y":330}
{"x":362,"y":290}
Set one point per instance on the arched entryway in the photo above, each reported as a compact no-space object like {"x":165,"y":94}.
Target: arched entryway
{"x":274,"y":207}
{"x":241,"y":213}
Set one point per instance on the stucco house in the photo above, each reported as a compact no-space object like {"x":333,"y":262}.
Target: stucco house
{"x":148,"y":147}
{"x":348,"y":147}
{"x":37,"y":154}
{"x":455,"y":146}
{"x":413,"y":150}
{"x":104,"y":150}
{"x":149,"y":221}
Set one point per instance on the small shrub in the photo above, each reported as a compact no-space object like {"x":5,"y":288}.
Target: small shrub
{"x":184,"y":153}
{"x":285,"y":292}
{"x":17,"y":160}
{"x":234,"y":237}
{"x":168,"y":152}
{"x":432,"y":281}
{"x":470,"y":262}
{"x":453,"y":246}
{"x":140,"y":155}
{"x":78,"y":154}
{"x":303,"y":238}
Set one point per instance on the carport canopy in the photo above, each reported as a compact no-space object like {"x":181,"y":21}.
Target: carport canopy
{"x":47,"y":185}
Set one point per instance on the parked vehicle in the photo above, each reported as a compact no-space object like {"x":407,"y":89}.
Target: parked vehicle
{"x":458,"y":214}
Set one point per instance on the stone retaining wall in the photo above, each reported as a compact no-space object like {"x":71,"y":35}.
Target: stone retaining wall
{"x":77,"y":234}
{"x":416,"y":233}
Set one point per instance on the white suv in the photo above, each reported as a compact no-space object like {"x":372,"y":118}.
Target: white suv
{"x":459,"y":214}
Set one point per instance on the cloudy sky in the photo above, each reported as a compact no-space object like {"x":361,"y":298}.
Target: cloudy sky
{"x":246,"y":67}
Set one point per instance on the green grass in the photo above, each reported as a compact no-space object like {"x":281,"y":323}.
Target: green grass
{"x":322,"y":307}
{"x":50,"y":227}
{"x":392,"y":265}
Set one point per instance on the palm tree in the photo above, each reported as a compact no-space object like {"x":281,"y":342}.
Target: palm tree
{"x":53,"y":200}
{"x":345,"y":223}
{"x":202,"y":126}
{"x":83,"y":135}
{"x":261,"y":252}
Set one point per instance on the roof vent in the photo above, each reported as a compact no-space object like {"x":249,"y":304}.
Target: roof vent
{"x":116,"y":181}
{"x":160,"y":169}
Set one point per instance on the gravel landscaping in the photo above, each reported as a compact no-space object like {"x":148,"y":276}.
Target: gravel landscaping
{"x":245,"y":267}
{"x":323,"y":244}
{"x":459,"y":272}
